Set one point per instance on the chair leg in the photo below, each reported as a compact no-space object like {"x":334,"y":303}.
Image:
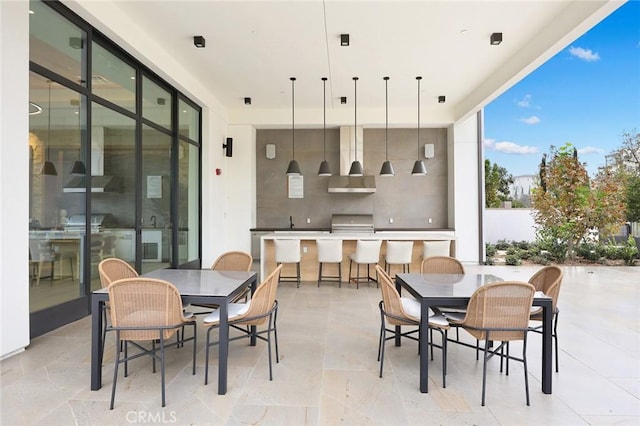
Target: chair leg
{"x":340,"y":277}
{"x":524,"y":361}
{"x":195,"y":344}
{"x":161,"y":366}
{"x":319,"y":273}
{"x":298,"y":274}
{"x":104,"y":333}
{"x":269,"y":345}
{"x":383,"y":335}
{"x":484,"y":369}
{"x":444,"y":358}
{"x":115,"y":370}
{"x":126,"y":355}
{"x":275,"y":333}
{"x":380,"y":341}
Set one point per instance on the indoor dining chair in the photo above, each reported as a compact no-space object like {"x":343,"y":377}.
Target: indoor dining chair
{"x":261,"y":309}
{"x":499,"y":312}
{"x":146,"y":310}
{"x":405,"y":311}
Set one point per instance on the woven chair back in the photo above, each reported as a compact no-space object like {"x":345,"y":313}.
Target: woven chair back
{"x":145,"y":303}
{"x":233,"y":261}
{"x":502,"y":305}
{"x":441,"y":265}
{"x":262,"y":300}
{"x":113,"y":269}
{"x":391,"y":300}
{"x":548,"y":280}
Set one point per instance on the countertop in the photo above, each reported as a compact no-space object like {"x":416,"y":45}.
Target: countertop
{"x":329,"y":230}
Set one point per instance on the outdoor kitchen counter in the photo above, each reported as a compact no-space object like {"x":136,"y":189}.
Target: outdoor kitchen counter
{"x":309,"y":256}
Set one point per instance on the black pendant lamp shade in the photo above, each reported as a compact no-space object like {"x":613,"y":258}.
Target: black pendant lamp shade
{"x":293,"y":168}
{"x":324,"y":170}
{"x":48,"y":168}
{"x":78,"y":168}
{"x":387,"y":167}
{"x":419,"y":168}
{"x":356,"y":166}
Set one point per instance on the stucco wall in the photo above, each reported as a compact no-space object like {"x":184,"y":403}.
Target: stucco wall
{"x":508,"y":224}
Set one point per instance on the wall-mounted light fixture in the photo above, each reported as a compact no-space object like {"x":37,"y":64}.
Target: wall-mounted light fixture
{"x":344,"y":39}
{"x":324,"y":170}
{"x":356,"y":166}
{"x":387,"y":167}
{"x":294,"y":168}
{"x":247,"y":101}
{"x":199,"y":41}
{"x":228,"y":147}
{"x":496,"y":39}
{"x":419,"y":168}
{"x":441,"y":99}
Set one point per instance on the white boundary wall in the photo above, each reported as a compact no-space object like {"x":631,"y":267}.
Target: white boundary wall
{"x":509,"y":224}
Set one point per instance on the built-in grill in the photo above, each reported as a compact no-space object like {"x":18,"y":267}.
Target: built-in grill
{"x":352,"y":223}
{"x":77,"y":222}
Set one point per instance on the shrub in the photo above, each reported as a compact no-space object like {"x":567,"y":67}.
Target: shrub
{"x":540,"y":260}
{"x":502,"y":245}
{"x":512,"y":251}
{"x":555,"y":247}
{"x":512,"y":259}
{"x":522,"y":245}
{"x":490,"y":250}
{"x":589,"y":251}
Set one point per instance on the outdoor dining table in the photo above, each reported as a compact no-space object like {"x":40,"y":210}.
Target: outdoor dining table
{"x":456,"y":290}
{"x":201,"y":286}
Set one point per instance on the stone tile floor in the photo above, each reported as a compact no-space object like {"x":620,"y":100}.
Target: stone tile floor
{"x":328,"y":373}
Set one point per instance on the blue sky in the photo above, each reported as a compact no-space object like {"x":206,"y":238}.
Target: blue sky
{"x":587,"y":95}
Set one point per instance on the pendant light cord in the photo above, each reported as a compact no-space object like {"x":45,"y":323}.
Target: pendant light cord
{"x":49,"y":125}
{"x":386,"y":118}
{"x":418,"y":78}
{"x":324,"y":119}
{"x":355,"y":115}
{"x":293,"y":118}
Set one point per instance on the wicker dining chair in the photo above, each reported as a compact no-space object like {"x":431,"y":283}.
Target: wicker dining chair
{"x":399,"y":311}
{"x":146,"y":310}
{"x":110,"y":270}
{"x":229,"y":261}
{"x":500,"y":312}
{"x":261,"y":309}
{"x":445,"y":265}
{"x":547,"y":280}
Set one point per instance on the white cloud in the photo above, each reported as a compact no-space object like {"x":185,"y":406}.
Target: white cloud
{"x":525,"y":102}
{"x":590,"y":150}
{"x":509,"y":147}
{"x":584,"y":54}
{"x":531,"y":120}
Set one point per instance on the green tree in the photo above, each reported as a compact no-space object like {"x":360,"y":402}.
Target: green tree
{"x":567,"y":204}
{"x":633,"y":199}
{"x":496,"y":184}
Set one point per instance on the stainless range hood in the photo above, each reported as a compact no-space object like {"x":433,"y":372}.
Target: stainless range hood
{"x":98,"y":184}
{"x":352,"y":184}
{"x":351,"y":147}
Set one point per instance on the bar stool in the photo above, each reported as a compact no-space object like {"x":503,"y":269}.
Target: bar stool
{"x":329,"y":251}
{"x":435,"y":248}
{"x":398,"y":253}
{"x":367,"y":252}
{"x":288,"y":251}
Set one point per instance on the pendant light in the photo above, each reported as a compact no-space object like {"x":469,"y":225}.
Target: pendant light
{"x":387,"y":167}
{"x":356,"y":167}
{"x":48,"y":168}
{"x":419,"y":168}
{"x":324,"y":166}
{"x":293,"y":168}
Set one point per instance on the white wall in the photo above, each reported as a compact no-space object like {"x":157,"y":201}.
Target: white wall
{"x":463,"y":182}
{"x":509,"y":224}
{"x":14,"y":176}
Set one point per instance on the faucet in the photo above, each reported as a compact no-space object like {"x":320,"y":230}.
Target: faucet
{"x":291,"y":225}
{"x":153,"y":220}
